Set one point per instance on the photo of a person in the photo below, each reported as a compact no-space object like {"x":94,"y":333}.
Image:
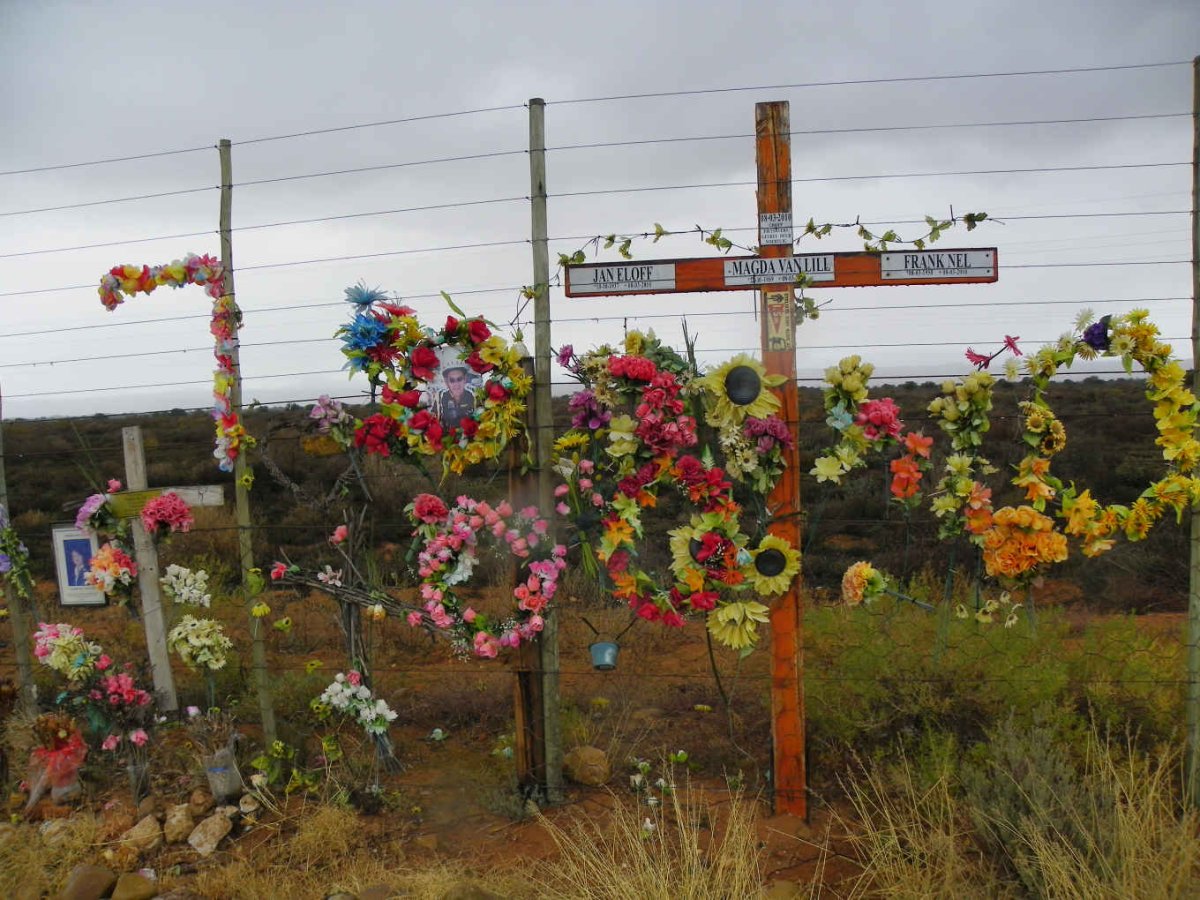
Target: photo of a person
{"x":78,"y":553}
{"x":454,"y":402}
{"x":73,"y":552}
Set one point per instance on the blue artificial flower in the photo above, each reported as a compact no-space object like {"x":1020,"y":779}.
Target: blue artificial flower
{"x":1096,"y":335}
{"x":364,"y":332}
{"x":839,"y":418}
{"x":5,"y":563}
{"x":362,"y":296}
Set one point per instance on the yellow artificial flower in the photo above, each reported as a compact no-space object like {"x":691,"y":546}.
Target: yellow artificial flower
{"x":259,"y":610}
{"x":736,"y":624}
{"x":622,"y":441}
{"x":828,"y":468}
{"x":773,"y":566}
{"x":750,"y":383}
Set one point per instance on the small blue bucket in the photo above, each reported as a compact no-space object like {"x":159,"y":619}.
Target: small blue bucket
{"x":604,"y":655}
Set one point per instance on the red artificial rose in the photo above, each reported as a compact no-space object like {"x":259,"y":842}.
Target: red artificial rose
{"x":451,"y":325}
{"x":421,"y":420}
{"x":478,"y":363}
{"x":434,"y":433}
{"x":469,"y":426}
{"x":478,"y":331}
{"x":408,"y":399}
{"x":429,"y":508}
{"x":496,"y":391}
{"x":424,"y":361}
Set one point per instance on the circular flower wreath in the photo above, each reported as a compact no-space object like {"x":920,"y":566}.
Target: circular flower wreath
{"x":614,"y":465}
{"x":451,"y":539}
{"x":386,"y":342}
{"x":126,"y":281}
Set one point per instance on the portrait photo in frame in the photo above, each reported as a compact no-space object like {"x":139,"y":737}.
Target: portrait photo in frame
{"x":73,"y":551}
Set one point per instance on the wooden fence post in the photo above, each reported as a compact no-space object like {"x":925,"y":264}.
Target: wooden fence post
{"x":258,"y":647}
{"x":17,"y":609}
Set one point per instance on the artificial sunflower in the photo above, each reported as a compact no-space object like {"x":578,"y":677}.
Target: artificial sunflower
{"x":739,"y":389}
{"x":773,"y":565}
{"x":736,"y":624}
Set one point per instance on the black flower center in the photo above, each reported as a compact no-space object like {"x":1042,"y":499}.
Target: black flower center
{"x":694,"y":548}
{"x":770,"y":562}
{"x":743,"y":385}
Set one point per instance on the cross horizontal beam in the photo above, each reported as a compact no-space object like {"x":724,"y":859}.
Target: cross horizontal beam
{"x":747,"y":273}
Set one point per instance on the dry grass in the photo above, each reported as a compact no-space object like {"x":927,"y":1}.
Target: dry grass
{"x":694,"y":851}
{"x":329,"y":853}
{"x":28,"y":860}
{"x":914,"y":837}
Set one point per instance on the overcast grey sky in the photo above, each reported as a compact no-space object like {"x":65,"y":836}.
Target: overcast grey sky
{"x":88,"y":81}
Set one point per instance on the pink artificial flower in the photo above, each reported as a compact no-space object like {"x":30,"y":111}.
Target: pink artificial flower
{"x":278,"y":571}
{"x":414,"y":619}
{"x":354,"y":677}
{"x":339,"y":534}
{"x":138,"y":737}
{"x":114,"y":485}
{"x":193,"y":711}
{"x":1010,"y":343}
{"x":485,"y":645}
{"x":977,"y":359}
{"x":562,"y":490}
{"x":597,"y":499}
{"x":586,"y":466}
{"x":585,"y":484}
{"x":562,"y":509}
{"x":103,"y":662}
{"x":111,"y":742}
{"x":167,"y":510}
{"x":469,"y":615}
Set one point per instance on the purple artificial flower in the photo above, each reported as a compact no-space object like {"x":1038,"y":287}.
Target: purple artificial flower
{"x":5,"y":563}
{"x":587,"y":412}
{"x":566,"y":357}
{"x":1096,"y":335}
{"x":90,"y":505}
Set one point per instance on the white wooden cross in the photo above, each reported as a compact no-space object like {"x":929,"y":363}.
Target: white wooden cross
{"x":128,"y":505}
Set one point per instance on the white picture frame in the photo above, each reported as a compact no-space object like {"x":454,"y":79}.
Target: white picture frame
{"x":71,"y":545}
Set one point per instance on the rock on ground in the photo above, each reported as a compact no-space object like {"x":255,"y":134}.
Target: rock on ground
{"x":145,"y":836}
{"x":587,"y":765}
{"x":205,"y":836}
{"x":132,"y":886}
{"x":88,"y":883}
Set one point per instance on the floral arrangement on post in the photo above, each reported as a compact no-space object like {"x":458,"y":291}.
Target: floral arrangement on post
{"x":635,"y":430}
{"x":126,"y":281}
{"x":96,"y":516}
{"x":387,"y":343}
{"x":112,"y":572}
{"x":14,"y":558}
{"x":199,"y":643}
{"x":1018,"y":542}
{"x":166,"y":514}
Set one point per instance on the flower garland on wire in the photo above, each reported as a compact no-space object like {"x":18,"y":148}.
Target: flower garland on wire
{"x":1018,"y":542}
{"x":386,"y":342}
{"x":125,"y":281}
{"x":449,"y":539}
{"x":615,"y":464}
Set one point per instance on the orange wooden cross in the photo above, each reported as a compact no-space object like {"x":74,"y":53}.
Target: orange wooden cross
{"x":774,"y":272}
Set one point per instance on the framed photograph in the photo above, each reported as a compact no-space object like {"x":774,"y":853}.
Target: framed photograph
{"x":73,"y":550}
{"x":453,"y":390}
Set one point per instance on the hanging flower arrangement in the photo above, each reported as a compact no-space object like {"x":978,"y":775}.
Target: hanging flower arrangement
{"x":95,"y":514}
{"x":457,"y":391}
{"x":636,"y":429}
{"x":64,"y":649}
{"x":125,"y":281}
{"x":1019,"y":542}
{"x":450,"y":540}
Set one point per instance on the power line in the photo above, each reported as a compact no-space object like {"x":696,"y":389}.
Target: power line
{"x":883,"y":176}
{"x":249,"y":311}
{"x":111,"y":159}
{"x":868,"y":81}
{"x":867,"y":129}
{"x":25,"y":212}
{"x":379,"y":168}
